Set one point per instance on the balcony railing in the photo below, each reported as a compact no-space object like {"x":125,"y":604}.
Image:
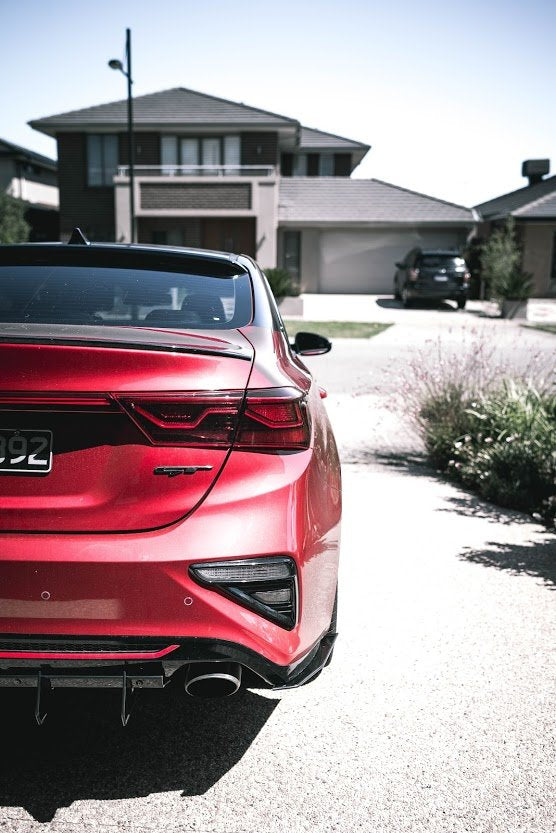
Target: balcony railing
{"x":198,"y":170}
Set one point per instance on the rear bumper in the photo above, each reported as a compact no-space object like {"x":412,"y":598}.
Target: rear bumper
{"x":137,"y":586}
{"x":28,"y":662}
{"x":439,"y":292}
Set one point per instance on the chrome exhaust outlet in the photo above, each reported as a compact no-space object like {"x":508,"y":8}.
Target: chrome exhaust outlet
{"x":212,"y":679}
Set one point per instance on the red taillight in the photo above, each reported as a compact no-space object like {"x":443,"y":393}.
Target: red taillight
{"x":190,"y":419}
{"x":274,"y":419}
{"x":413,"y":274}
{"x":269,"y":419}
{"x":467,"y":277}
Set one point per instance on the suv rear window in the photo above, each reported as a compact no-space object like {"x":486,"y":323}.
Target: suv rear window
{"x":140,"y":290}
{"x":441,"y":262}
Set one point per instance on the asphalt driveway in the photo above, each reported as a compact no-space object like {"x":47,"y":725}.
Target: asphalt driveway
{"x":438,"y":712}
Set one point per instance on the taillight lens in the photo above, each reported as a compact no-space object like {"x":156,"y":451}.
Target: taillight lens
{"x":413,"y":274}
{"x":467,"y":277}
{"x":190,"y":419}
{"x":274,"y":419}
{"x":269,"y":419}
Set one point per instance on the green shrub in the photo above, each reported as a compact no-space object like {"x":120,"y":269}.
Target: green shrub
{"x":281,"y":283}
{"x":13,"y":226}
{"x":500,"y":265}
{"x":501,"y":444}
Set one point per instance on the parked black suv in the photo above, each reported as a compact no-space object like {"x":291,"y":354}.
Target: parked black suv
{"x":433,"y":275}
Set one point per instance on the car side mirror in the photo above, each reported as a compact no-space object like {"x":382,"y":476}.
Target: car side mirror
{"x":311,"y":344}
{"x":400,"y":265}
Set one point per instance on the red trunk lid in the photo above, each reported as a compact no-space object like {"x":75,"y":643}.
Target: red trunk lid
{"x":103,"y":464}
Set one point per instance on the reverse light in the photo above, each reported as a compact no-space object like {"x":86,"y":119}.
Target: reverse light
{"x":268,"y":586}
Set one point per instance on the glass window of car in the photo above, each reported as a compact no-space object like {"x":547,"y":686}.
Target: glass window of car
{"x":95,"y":294}
{"x":441,"y":261}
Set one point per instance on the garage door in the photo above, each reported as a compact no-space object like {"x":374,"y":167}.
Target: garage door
{"x":362,"y":260}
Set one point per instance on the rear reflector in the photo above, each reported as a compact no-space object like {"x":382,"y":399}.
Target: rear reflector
{"x":268,"y":419}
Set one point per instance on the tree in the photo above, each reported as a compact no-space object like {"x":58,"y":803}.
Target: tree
{"x":501,"y":265}
{"x":13,"y":226}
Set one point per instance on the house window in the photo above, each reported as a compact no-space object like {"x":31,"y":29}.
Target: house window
{"x":232,"y":150}
{"x":194,"y":151}
{"x":300,"y":164}
{"x":326,"y":164}
{"x":189,"y":151}
{"x":102,"y":158}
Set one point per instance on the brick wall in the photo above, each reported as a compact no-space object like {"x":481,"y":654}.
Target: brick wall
{"x":147,"y":149}
{"x":90,"y":208}
{"x":210,"y":196}
{"x":259,"y":148}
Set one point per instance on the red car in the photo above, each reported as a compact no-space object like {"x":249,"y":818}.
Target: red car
{"x":169,"y":482}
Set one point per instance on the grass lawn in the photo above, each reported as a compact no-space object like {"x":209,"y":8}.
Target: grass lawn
{"x":335,"y":329}
{"x":548,"y":328}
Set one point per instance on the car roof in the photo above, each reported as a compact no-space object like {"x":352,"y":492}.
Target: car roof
{"x":127,"y":247}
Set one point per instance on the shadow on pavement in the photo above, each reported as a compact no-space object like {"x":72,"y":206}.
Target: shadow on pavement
{"x":534,"y":559}
{"x":472,"y":506}
{"x":407,"y":462}
{"x":172,"y":742}
{"x":391,"y":303}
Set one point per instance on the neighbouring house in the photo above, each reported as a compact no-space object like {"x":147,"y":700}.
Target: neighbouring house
{"x":31,"y":177}
{"x":534,"y":211}
{"x":218,"y":174}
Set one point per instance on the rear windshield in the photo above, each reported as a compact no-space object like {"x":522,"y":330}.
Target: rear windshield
{"x":442,"y":262}
{"x":181,"y":294}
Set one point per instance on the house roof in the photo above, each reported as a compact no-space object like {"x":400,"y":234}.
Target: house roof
{"x":318,"y":139}
{"x":538,"y":200}
{"x":176,"y":107}
{"x":341,"y":200}
{"x":9,"y":149}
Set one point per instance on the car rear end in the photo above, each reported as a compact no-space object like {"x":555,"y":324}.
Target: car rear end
{"x":438,"y":276}
{"x":169,"y":487}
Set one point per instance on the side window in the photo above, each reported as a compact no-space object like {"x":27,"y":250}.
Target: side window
{"x":102,"y":158}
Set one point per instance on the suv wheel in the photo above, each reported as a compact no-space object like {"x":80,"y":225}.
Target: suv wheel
{"x":406,"y":300}
{"x":461,"y":303}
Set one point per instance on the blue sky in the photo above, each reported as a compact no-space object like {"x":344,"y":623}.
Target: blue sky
{"x":451,"y":96}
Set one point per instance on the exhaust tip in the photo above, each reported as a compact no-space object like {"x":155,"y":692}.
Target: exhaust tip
{"x":208,"y":680}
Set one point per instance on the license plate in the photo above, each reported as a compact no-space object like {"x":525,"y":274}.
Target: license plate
{"x":26,"y":452}
{"x":442,"y":278}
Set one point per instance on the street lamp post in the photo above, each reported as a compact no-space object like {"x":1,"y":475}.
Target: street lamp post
{"x":117,"y":64}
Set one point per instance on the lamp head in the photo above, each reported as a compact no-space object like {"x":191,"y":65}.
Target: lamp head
{"x":116,"y":64}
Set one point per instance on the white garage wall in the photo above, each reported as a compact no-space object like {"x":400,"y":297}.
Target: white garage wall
{"x":362,"y":260}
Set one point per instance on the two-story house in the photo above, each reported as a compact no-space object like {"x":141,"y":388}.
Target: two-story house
{"x":31,"y":177}
{"x":218,"y":174}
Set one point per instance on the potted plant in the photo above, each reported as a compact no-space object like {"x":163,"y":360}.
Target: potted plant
{"x":502,"y":272}
{"x":513,"y":292}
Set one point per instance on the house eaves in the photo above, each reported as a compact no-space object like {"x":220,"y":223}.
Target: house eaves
{"x":8,"y":149}
{"x":366,"y":202}
{"x":318,"y":141}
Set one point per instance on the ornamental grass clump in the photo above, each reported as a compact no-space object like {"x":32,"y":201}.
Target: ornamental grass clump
{"x":501,"y":444}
